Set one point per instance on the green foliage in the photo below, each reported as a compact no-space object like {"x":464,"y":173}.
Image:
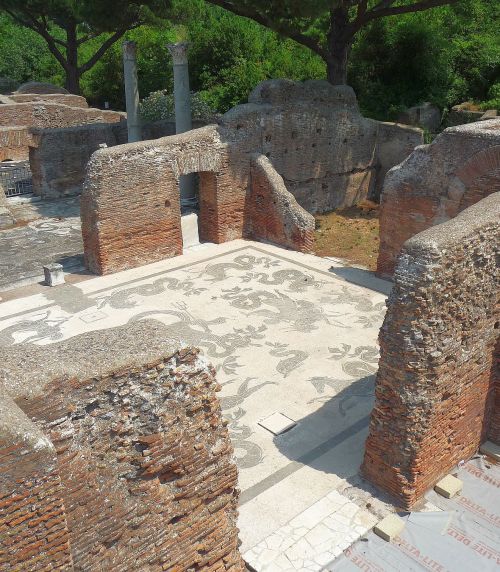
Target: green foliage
{"x":229,"y":56}
{"x":68,"y":27}
{"x":24,"y":56}
{"x":104,"y":82}
{"x":493,"y":101}
{"x":448,"y":58}
{"x":160,"y":105}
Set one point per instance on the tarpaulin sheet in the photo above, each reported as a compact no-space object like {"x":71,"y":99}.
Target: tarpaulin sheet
{"x":465,"y":537}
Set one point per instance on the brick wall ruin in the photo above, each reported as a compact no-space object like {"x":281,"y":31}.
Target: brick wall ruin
{"x":328,"y":154}
{"x":14,"y":143}
{"x":321,"y":154}
{"x":435,"y":183}
{"x":275,"y":215}
{"x":59,"y":157}
{"x":114,"y":457}
{"x":52,"y":115}
{"x":21,"y":112}
{"x":435,"y":400}
{"x":143,"y":178}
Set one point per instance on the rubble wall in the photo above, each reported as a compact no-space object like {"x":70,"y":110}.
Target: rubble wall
{"x":59,"y":157}
{"x":143,"y":457}
{"x":323,"y":152}
{"x":437,"y":181}
{"x":435,"y":383}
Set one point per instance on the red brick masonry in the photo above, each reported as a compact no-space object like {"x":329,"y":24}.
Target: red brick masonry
{"x":435,"y":384}
{"x":130,"y":204}
{"x":119,"y":459}
{"x":435,"y":183}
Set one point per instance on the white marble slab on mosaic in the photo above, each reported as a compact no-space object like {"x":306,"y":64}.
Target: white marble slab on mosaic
{"x":312,"y":539}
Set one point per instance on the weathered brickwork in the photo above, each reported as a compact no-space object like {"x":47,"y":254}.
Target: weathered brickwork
{"x":20,"y":113}
{"x":494,"y":428}
{"x":64,"y":98}
{"x":59,"y":157}
{"x":328,"y":154}
{"x":51,"y":115}
{"x":435,"y":183}
{"x":275,"y":214}
{"x":33,"y":528}
{"x":14,"y":143}
{"x":143,"y":459}
{"x":321,"y":153}
{"x":435,"y":383}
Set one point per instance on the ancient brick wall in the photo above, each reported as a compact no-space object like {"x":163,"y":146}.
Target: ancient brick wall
{"x":494,"y":428}
{"x":14,"y":143}
{"x":274,"y":214}
{"x":435,"y":183}
{"x":52,"y":115}
{"x":435,"y":383}
{"x":323,"y":151}
{"x":64,"y":98}
{"x":328,"y":154}
{"x":143,"y":460}
{"x":33,"y":528}
{"x":142,"y":178}
{"x":59,"y":157}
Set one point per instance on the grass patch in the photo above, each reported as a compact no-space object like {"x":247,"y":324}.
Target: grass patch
{"x":350,"y":233}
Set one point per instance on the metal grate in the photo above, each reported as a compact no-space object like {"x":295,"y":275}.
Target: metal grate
{"x":15,"y":178}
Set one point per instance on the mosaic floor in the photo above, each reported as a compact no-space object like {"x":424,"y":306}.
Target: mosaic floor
{"x":48,"y":231}
{"x":285,"y":334}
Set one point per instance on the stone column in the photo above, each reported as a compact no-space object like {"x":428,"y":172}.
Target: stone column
{"x":183,"y":120}
{"x":131,"y":92}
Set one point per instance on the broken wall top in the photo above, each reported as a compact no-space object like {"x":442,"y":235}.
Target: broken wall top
{"x":431,"y":169}
{"x":27,"y":368}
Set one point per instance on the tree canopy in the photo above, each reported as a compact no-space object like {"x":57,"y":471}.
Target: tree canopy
{"x":327,"y":27}
{"x":66,"y":25}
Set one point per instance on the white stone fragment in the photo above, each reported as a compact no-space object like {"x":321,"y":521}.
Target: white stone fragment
{"x":277,"y":423}
{"x":389,"y":527}
{"x":54,"y":274}
{"x":189,"y":225}
{"x":448,"y":486}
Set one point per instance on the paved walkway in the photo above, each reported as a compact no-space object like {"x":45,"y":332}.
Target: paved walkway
{"x":287,"y":334}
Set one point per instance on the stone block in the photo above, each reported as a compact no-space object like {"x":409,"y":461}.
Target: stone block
{"x":54,"y":274}
{"x":189,"y":226}
{"x":389,"y":527}
{"x":448,"y":486}
{"x":277,"y":423}
{"x":490,"y":449}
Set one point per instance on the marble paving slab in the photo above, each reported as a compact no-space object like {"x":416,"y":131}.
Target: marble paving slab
{"x":313,"y":539}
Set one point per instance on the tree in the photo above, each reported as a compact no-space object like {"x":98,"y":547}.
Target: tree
{"x":327,"y":27}
{"x":66,"y":25}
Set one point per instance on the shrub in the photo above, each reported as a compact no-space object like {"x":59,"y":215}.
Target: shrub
{"x":160,"y":105}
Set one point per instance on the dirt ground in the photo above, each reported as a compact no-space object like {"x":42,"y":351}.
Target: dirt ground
{"x":351,"y":233}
